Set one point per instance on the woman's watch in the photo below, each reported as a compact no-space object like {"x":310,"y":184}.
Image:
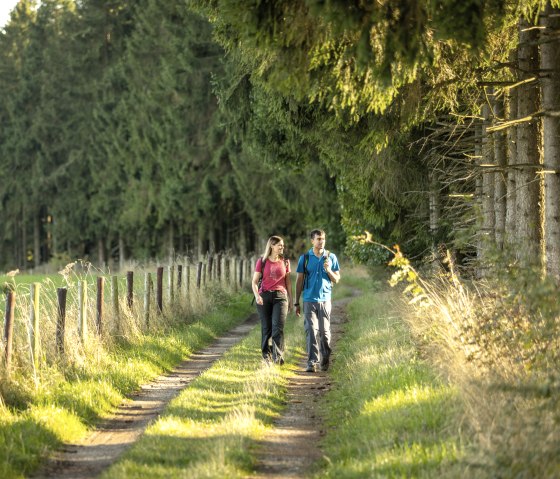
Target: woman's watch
{"x":296,"y":304}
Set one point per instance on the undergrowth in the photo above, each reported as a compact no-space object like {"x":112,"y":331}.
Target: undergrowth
{"x":498,"y":340}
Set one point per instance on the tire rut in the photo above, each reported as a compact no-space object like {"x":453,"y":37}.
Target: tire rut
{"x":293,"y":445}
{"x":117,"y":433}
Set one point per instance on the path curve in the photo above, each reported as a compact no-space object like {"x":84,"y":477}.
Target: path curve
{"x":293,"y":445}
{"x":115,"y":434}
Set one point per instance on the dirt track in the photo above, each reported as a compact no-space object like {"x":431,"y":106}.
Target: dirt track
{"x":288,"y":452}
{"x":293,"y":446}
{"x":114,"y":435}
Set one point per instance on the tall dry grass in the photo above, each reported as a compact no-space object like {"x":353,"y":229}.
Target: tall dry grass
{"x":127,"y":325}
{"x":498,"y":340}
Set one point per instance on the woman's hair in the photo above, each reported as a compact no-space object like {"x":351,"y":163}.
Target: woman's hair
{"x":273,"y":240}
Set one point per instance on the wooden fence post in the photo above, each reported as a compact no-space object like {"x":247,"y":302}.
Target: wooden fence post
{"x":61,"y":319}
{"x":129,"y":288}
{"x":224,"y":269}
{"x":99,"y":305}
{"x":115,"y":301}
{"x":9,"y":328}
{"x":233,"y":272}
{"x":188,"y":279}
{"x":147,"y":291}
{"x":170,"y":281}
{"x":179,"y":278}
{"x":241,"y":263}
{"x":198,"y":274}
{"x":159,"y":289}
{"x":247,"y":263}
{"x":210,"y":267}
{"x":82,"y":310}
{"x":34,"y":334}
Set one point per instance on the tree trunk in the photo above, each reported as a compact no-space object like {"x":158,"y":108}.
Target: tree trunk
{"x":500,"y":158}
{"x":488,"y":183}
{"x":528,"y":187}
{"x":171,"y":241}
{"x":550,"y":84}
{"x":242,"y":236}
{"x":211,"y":240}
{"x":101,"y":259}
{"x":200,"y":240}
{"x":478,"y":186}
{"x":21,"y":257}
{"x":434,"y":206}
{"x":122,"y":256}
{"x":511,"y":172}
{"x":36,"y":240}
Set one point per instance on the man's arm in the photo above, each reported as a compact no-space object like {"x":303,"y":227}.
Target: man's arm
{"x":333,"y":275}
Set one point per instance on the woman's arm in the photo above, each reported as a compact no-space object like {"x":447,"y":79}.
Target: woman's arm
{"x":255,"y":285}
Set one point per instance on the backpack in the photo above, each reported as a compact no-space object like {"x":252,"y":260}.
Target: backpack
{"x":326,"y":254}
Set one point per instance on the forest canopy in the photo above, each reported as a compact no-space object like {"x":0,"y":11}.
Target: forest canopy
{"x":141,"y":129}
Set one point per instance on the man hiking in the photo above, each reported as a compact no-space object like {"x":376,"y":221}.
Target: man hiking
{"x":317,"y":271}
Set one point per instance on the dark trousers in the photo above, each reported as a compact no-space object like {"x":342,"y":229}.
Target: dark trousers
{"x":272,"y":314}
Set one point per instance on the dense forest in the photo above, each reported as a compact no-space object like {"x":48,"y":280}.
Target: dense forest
{"x":142,"y":128}
{"x":113,"y":146}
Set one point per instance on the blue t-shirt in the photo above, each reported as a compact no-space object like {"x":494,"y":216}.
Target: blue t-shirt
{"x":317,"y":285}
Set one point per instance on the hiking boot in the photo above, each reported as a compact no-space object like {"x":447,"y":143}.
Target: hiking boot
{"x":311,"y":368}
{"x":325,"y":364}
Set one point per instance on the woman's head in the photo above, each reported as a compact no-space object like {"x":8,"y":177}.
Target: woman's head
{"x":274,"y":244}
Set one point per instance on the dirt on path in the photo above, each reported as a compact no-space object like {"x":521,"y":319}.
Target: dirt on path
{"x":118,"y":432}
{"x":293,"y":445}
{"x":288,"y":452}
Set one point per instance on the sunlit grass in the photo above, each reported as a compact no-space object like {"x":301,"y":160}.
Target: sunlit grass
{"x":388,"y":416}
{"x":211,"y":428}
{"x":66,"y":398}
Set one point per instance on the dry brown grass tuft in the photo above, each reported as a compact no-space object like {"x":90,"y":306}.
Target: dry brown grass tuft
{"x":499,"y":341}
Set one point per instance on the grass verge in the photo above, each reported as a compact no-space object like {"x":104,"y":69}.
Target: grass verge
{"x":63,"y":403}
{"x":210,"y":429}
{"x":388,"y":415}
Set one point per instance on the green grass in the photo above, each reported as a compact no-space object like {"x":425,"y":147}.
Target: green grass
{"x":63,"y":402}
{"x":210,"y":429}
{"x":388,"y":415}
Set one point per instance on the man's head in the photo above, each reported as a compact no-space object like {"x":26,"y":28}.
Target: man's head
{"x":318,"y":239}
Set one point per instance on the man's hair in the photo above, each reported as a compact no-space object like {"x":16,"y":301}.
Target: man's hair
{"x":317,"y":233}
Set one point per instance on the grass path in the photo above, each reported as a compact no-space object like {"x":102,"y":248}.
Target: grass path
{"x":111,"y":438}
{"x":379,"y":412}
{"x":388,"y":416}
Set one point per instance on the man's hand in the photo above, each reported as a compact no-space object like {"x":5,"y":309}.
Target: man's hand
{"x":298,"y":310}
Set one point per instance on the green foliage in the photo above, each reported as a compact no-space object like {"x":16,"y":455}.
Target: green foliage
{"x":388,"y":415}
{"x":366,"y":253}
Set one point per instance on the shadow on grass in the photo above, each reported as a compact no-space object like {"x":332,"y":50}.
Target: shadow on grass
{"x":166,"y":456}
{"x":221,"y":390}
{"x":22,"y":446}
